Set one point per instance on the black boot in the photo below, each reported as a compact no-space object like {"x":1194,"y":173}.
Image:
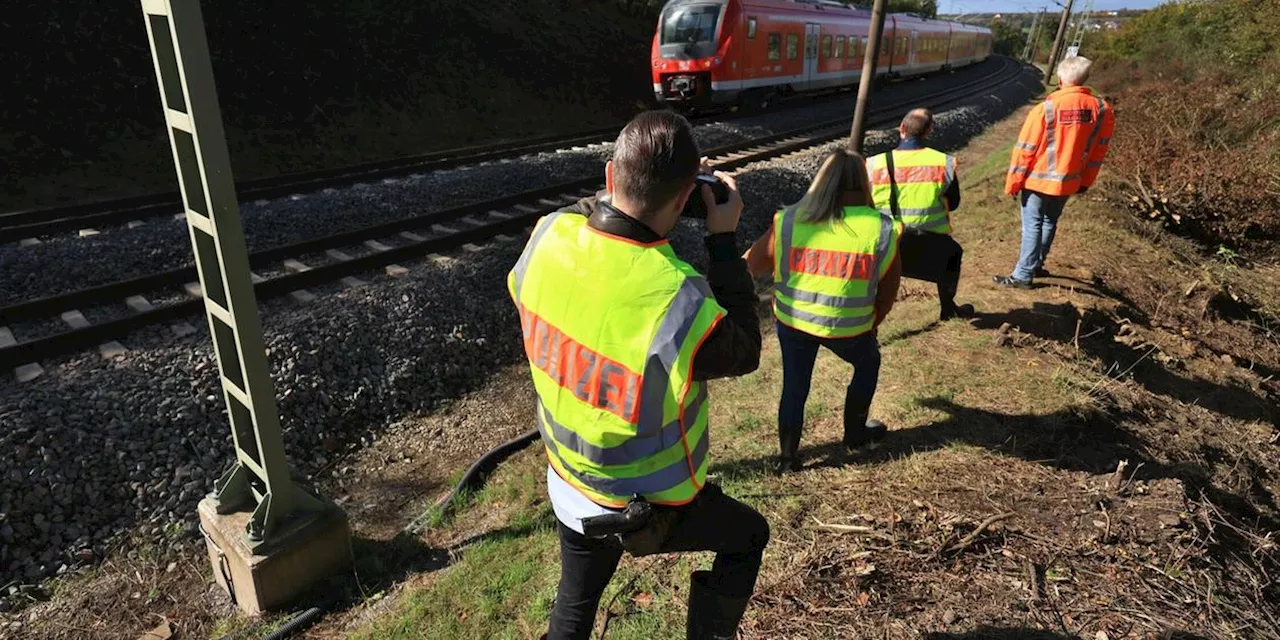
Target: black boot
{"x":712,"y":615}
{"x":858,"y":430}
{"x":789,"y":446}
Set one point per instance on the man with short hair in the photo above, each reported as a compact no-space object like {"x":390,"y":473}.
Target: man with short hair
{"x":621,"y":337}
{"x":1058,"y":154}
{"x":919,"y":186}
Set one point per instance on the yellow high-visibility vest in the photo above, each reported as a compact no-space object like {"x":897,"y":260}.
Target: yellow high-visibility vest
{"x":826,"y":274}
{"x":610,"y":329}
{"x":922,"y":176}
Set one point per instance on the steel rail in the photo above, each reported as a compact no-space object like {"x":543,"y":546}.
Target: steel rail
{"x":528,"y":207}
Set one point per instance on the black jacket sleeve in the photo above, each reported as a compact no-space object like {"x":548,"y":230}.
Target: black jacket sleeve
{"x":733,"y":348}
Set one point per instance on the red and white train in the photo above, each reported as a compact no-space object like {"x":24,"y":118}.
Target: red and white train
{"x":747,"y":52}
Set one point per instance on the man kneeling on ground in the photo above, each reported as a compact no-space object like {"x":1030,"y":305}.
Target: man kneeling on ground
{"x":919,"y":186}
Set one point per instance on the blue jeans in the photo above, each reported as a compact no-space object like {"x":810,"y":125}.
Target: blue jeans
{"x":1040,"y":214}
{"x":800,"y":352}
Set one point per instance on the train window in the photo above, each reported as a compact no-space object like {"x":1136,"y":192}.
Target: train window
{"x":826,"y":46}
{"x":775,"y":46}
{"x":751,"y":28}
{"x":690,"y":24}
{"x":793,"y":46}
{"x":839,"y":53}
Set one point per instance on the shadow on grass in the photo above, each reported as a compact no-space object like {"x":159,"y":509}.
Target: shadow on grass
{"x":1098,"y":333}
{"x":379,"y":565}
{"x":1092,"y":441}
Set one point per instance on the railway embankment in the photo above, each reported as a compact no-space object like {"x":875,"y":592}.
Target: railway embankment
{"x":1126,"y":450}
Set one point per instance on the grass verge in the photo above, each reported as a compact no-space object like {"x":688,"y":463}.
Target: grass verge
{"x":1080,"y":459}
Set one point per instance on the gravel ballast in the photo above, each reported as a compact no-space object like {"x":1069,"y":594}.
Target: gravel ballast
{"x":97,"y":450}
{"x":120,"y":252}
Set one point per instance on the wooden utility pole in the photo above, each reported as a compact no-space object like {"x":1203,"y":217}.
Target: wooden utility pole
{"x":1057,"y":42}
{"x":870,"y":56}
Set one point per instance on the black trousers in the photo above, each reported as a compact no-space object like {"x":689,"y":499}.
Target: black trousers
{"x":712,"y":522}
{"x":933,"y":257}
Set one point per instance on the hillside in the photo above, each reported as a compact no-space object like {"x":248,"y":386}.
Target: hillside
{"x":307,"y":85}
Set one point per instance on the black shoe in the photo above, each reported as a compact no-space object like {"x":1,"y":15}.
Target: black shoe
{"x":712,"y":615}
{"x":1010,"y":281}
{"x":785,"y":465}
{"x":962,"y":311}
{"x":789,"y":445}
{"x":1042,"y":273}
{"x":868,"y":436}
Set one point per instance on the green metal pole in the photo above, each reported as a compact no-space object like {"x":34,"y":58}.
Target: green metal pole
{"x":259,"y":476}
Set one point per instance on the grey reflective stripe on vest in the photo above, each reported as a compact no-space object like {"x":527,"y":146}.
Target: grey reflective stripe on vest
{"x":663,"y":352}
{"x":926,"y":226}
{"x":1057,"y":177}
{"x":787,"y":233}
{"x":1026,"y":146}
{"x":843,"y":302}
{"x":951,"y":172}
{"x":821,"y":320}
{"x":1097,"y":128}
{"x":629,"y":451}
{"x":882,"y":251}
{"x":668,"y":477}
{"x":926,"y":211}
{"x":1051,"y":145}
{"x":522,"y":265}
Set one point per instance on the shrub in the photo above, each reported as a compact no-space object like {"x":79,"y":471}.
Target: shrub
{"x":1197,"y":142}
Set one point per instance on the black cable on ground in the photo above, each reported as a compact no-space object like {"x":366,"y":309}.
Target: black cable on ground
{"x":481,"y":468}
{"x":298,"y":623}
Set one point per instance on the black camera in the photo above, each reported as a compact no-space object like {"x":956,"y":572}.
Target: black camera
{"x":695,"y":207}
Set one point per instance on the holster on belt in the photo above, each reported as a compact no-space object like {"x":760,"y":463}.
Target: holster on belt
{"x":641,"y":528}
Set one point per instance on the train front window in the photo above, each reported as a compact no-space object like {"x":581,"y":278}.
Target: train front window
{"x":690,"y":24}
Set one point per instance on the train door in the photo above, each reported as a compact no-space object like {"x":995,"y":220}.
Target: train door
{"x":811,"y":37}
{"x":912,"y":55}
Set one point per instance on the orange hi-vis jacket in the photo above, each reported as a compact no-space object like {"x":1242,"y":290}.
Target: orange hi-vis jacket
{"x":1062,"y":144}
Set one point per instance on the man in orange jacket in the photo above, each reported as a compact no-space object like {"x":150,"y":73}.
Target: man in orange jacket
{"x":1058,"y":154}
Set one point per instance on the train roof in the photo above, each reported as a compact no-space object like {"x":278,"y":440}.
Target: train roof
{"x":832,"y":7}
{"x":814,"y":6}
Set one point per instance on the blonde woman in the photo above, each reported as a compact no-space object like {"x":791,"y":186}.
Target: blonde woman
{"x":836,"y":271}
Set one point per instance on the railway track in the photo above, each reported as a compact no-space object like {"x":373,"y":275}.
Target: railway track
{"x":330,"y":258}
{"x":20,"y":225}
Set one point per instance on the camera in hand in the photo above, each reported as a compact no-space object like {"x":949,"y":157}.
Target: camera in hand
{"x":695,"y":207}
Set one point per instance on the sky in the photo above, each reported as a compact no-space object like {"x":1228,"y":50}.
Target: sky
{"x":951,"y":7}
